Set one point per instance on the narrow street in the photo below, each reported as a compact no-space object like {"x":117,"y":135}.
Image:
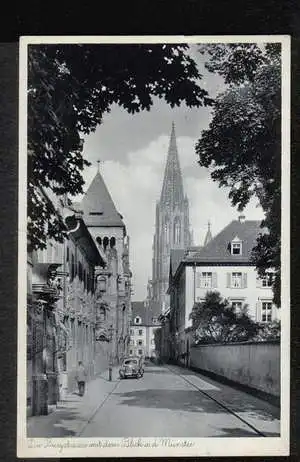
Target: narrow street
{"x":173,"y":402}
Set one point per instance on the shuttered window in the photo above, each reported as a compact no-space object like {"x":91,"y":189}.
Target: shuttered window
{"x":237,"y":280}
{"x":206,"y":280}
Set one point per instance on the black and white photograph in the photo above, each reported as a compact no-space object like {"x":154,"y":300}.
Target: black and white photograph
{"x":153,"y":312}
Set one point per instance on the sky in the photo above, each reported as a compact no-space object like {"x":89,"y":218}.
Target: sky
{"x":133,"y":152}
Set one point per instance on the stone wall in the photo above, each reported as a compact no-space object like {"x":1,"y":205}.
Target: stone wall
{"x":256,"y":365}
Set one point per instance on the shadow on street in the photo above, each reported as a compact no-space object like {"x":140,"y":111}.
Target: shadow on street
{"x":184,"y":400}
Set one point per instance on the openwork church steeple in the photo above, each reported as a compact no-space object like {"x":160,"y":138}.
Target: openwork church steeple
{"x":172,"y":189}
{"x":172,"y":228}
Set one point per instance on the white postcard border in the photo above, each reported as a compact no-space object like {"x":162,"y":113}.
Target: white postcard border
{"x":154,"y":447}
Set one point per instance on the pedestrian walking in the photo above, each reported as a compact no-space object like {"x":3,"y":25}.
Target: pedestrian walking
{"x":81,"y":378}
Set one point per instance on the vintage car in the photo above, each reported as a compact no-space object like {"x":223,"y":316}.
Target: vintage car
{"x":132,"y":366}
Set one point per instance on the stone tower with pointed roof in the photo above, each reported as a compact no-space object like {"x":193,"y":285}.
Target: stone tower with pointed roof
{"x":172,"y":228}
{"x":113,"y":286}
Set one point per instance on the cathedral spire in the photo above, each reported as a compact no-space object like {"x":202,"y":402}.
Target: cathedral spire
{"x":172,"y":190}
{"x":208,"y":236}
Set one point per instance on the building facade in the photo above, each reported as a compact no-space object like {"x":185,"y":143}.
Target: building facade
{"x":223,"y":265}
{"x":144,"y":323}
{"x":60,"y":312}
{"x":172,"y":228}
{"x":113,"y":294}
{"x":78,"y":298}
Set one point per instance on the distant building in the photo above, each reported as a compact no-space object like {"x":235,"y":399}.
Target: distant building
{"x":222,"y":265}
{"x":145,"y":320}
{"x":172,"y":228}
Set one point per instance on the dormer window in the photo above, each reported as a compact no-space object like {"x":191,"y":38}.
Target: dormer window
{"x":236,"y":246}
{"x":137,"y":320}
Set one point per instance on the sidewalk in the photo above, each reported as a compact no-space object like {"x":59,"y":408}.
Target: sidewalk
{"x":69,"y":417}
{"x":264,"y":416}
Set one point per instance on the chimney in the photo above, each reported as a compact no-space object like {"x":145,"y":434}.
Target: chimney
{"x":242,"y":218}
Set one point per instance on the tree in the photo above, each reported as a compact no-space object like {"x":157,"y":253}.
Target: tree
{"x":242,"y":146}
{"x":70,"y":87}
{"x":269,"y":331}
{"x":216,"y":321}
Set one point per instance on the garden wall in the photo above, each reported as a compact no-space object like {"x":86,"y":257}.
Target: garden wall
{"x":256,"y":365}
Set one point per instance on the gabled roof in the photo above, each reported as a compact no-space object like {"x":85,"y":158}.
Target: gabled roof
{"x":98,"y":207}
{"x":145,"y":312}
{"x":218,"y":250}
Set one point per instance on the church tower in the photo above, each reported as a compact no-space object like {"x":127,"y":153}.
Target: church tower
{"x":113,"y":282}
{"x":172,"y":228}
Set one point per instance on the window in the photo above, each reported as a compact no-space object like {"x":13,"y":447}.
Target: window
{"x":131,"y":341}
{"x":137,"y":320}
{"x":237,"y":306}
{"x":177,"y":234}
{"x":105,"y":242}
{"x":266,"y":312}
{"x":267,"y":280}
{"x":206,"y":280}
{"x":140,"y":352}
{"x":131,"y":332}
{"x":140,"y":331}
{"x":80,"y":271}
{"x":73,"y":268}
{"x":140,"y":342}
{"x":130,"y":352}
{"x":102,"y":314}
{"x":236,"y":280}
{"x":236,"y":248}
{"x":167,"y":233}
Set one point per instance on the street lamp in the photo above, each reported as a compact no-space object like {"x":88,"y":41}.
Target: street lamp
{"x":110,"y":330}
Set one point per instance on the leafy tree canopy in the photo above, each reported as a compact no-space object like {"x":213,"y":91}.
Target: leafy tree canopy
{"x":242,"y":146}
{"x":70,"y":87}
{"x":269,"y":331}
{"x":216,"y":321}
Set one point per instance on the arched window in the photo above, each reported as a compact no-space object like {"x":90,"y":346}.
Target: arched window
{"x":105,"y":242}
{"x":167,"y":233}
{"x":99,"y":240}
{"x":177,"y":231}
{"x":112,"y":242}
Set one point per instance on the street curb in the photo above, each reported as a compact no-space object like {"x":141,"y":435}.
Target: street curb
{"x":78,"y":434}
